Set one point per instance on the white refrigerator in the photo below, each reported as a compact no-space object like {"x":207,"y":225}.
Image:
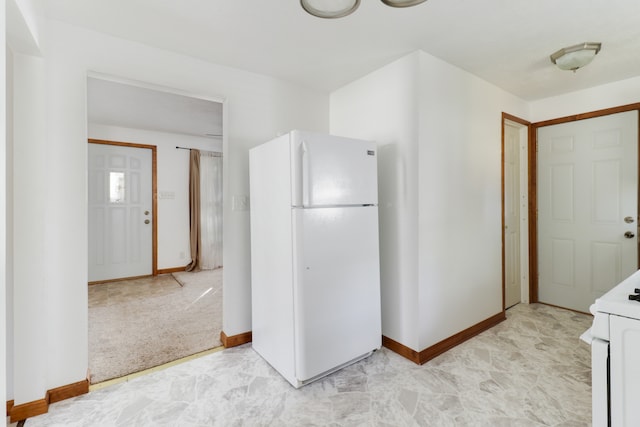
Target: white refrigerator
{"x":315,"y":275}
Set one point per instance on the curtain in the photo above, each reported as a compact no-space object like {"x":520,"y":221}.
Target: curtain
{"x":194,"y":209}
{"x":210,"y":210}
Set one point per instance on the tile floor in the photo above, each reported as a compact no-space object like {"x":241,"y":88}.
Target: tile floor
{"x":530,"y":370}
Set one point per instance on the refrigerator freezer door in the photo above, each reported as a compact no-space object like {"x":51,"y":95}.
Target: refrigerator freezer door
{"x":333,"y":171}
{"x":337,"y":287}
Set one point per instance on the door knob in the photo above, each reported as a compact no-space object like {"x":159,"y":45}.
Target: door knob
{"x":146,"y":221}
{"x":628,"y":219}
{"x":629,"y":235}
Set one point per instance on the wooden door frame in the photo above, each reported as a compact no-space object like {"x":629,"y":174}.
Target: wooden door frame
{"x":505,"y":117}
{"x":154,"y":197}
{"x":533,"y":190}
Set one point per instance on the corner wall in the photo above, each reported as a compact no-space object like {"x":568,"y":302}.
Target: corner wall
{"x":382,"y":107}
{"x":8,"y":257}
{"x":30,"y":273}
{"x":6,"y":361}
{"x":460,"y":208}
{"x":440,"y":192}
{"x":25,"y":120}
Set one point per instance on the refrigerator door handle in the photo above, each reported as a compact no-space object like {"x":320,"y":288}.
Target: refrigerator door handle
{"x":306,"y":176}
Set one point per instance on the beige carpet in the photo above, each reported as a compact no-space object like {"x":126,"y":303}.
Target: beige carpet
{"x":138,"y":324}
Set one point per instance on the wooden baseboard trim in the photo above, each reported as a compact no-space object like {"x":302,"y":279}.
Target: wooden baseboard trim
{"x":68,"y":391}
{"x":100,"y":282}
{"x":401,"y":349}
{"x":161,"y":271}
{"x":448,"y":343}
{"x":564,"y":308}
{"x":41,"y":406}
{"x":172,"y":270}
{"x":235,"y":340}
{"x":29,"y":409}
{"x":444,"y":345}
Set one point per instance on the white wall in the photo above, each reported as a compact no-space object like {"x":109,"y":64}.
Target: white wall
{"x":173,"y":177}
{"x":460,"y":210}
{"x":6,"y":250}
{"x":600,"y":97}
{"x":258,"y":108}
{"x":382,"y":107}
{"x":25,"y":113}
{"x":24,"y":19}
{"x":30,"y":13}
{"x":440,"y":199}
{"x":31,"y":174}
{"x":5,"y":136}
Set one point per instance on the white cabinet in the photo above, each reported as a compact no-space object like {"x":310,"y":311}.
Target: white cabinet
{"x":624,"y":350}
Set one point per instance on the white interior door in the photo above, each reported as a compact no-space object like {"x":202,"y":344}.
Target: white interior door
{"x":120,"y":212}
{"x":587,"y":201}
{"x":512,"y":215}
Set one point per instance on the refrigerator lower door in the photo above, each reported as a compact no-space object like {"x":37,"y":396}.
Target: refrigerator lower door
{"x":337,"y":288}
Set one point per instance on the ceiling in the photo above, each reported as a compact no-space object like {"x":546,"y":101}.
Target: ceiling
{"x":116,"y":104}
{"x":506,"y":42}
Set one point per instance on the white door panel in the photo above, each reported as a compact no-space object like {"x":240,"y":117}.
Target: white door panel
{"x":625,"y":370}
{"x":512,"y":215}
{"x":120,"y":217}
{"x":587,"y":185}
{"x":337,"y":289}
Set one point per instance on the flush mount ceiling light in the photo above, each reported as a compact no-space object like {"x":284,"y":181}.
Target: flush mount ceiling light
{"x":330,"y":8}
{"x":574,"y":57}
{"x":339,"y":8}
{"x":402,"y":3}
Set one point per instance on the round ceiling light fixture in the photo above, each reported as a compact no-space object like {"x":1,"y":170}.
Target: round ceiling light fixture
{"x":330,"y":9}
{"x":338,"y":8}
{"x":402,"y":3}
{"x":574,"y":57}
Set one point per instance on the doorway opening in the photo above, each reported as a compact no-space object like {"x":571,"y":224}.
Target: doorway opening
{"x":146,"y":118}
{"x":515,"y":211}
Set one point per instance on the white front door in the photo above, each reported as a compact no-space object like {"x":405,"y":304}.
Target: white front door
{"x":511,"y":215}
{"x":120,"y":212}
{"x":587,"y":201}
